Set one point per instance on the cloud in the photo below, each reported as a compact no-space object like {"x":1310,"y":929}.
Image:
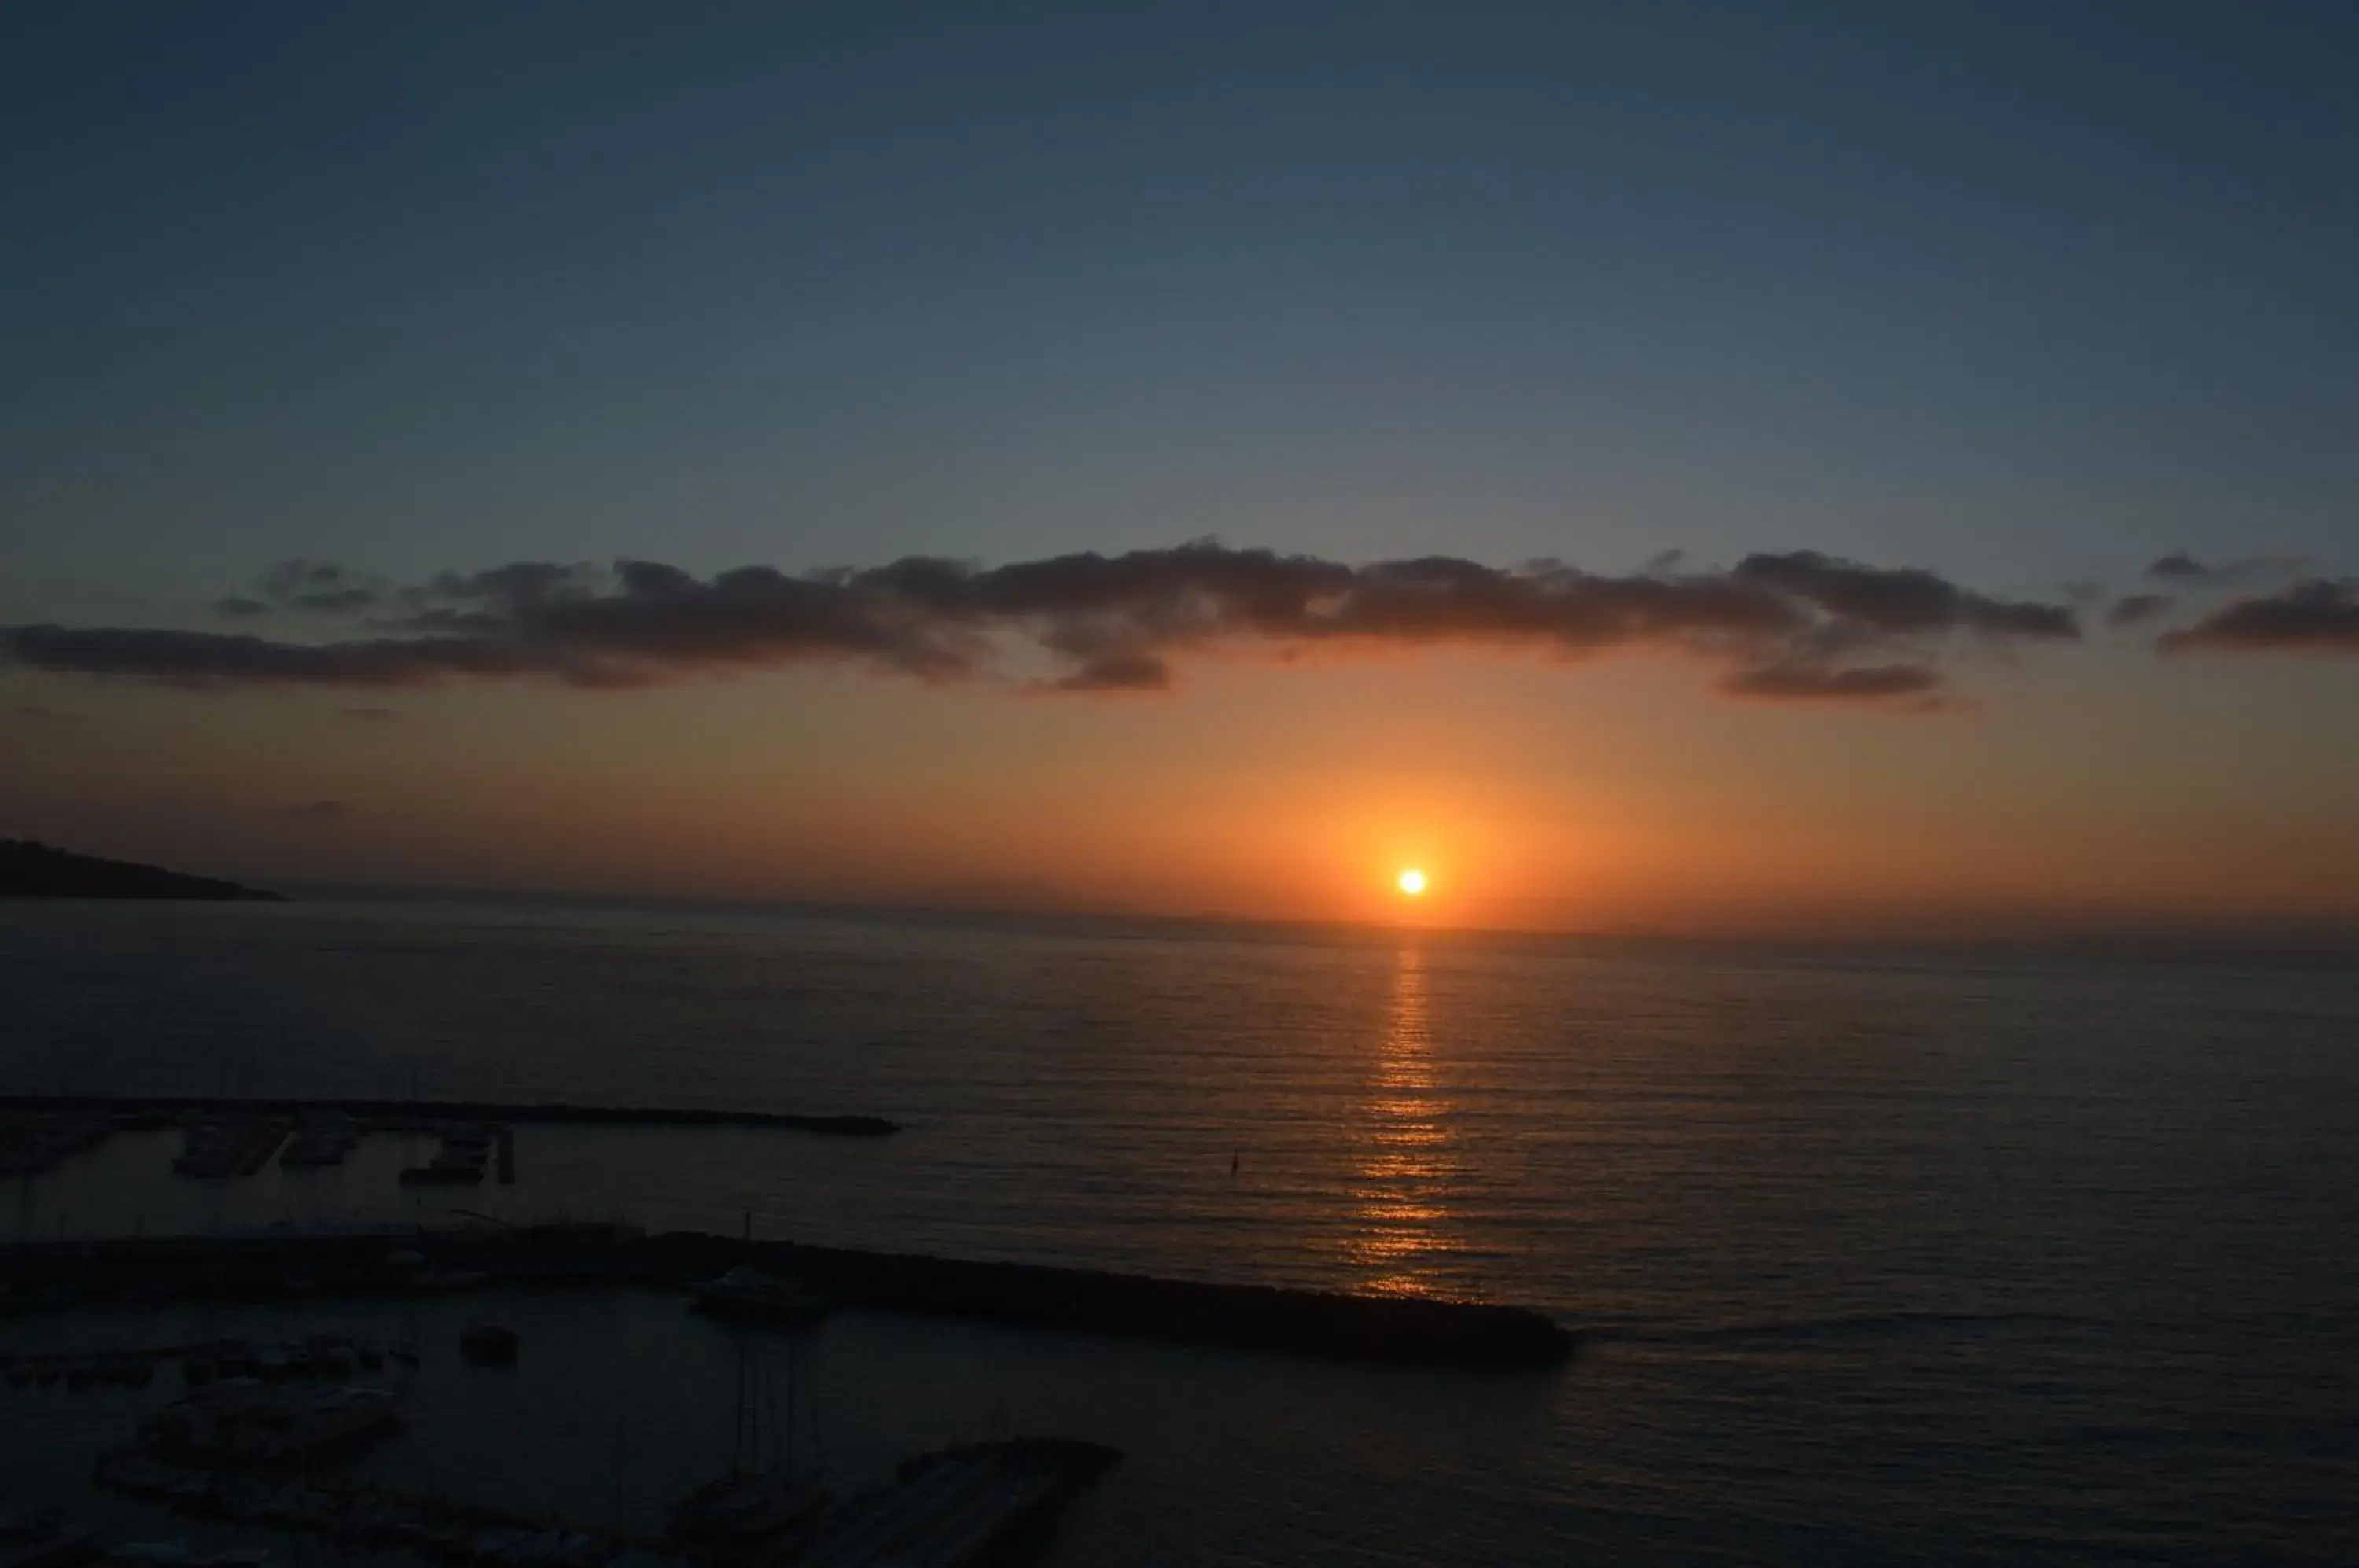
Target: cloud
{"x":235,"y":608}
{"x":370,"y":715}
{"x":321,"y":586}
{"x":210,"y":660}
{"x":41,"y":714}
{"x":1791,"y":627}
{"x":2317,"y":614}
{"x":1912,"y":685}
{"x":2178,"y":567}
{"x":1906,"y":600}
{"x":2137,"y":609}
{"x":317,"y":811}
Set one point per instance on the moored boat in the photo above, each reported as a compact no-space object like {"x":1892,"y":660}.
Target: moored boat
{"x":745,"y":1291}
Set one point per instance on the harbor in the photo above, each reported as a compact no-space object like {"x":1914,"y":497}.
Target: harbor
{"x":304,"y":1353}
{"x":554,"y":1395}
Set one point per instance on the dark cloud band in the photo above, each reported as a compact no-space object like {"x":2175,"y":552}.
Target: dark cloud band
{"x":1788,"y":627}
{"x":2316,"y":616}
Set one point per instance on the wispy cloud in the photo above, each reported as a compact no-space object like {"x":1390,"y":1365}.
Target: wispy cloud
{"x":320,"y":586}
{"x":1789,"y":626}
{"x":2185,"y":572}
{"x":2138,"y":609}
{"x":317,"y":812}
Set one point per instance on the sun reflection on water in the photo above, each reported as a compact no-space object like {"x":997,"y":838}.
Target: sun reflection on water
{"x":1406,"y":1166}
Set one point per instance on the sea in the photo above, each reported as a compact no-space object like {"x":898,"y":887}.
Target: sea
{"x":1880,"y":1255}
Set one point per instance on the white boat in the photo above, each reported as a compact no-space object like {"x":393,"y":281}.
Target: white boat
{"x":746,"y":1292}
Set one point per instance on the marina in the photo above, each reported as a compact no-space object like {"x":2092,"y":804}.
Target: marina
{"x":309,"y":1421}
{"x":274,"y":1462}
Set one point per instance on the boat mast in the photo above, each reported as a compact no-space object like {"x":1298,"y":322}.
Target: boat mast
{"x":748,"y":1414}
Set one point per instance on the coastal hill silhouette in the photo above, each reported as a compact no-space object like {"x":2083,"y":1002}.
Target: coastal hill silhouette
{"x":32,"y":870}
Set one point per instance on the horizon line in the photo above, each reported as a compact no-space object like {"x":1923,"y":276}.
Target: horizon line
{"x":2312,"y":936}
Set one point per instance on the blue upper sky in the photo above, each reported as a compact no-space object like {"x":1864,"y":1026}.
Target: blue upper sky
{"x":2027,"y":292}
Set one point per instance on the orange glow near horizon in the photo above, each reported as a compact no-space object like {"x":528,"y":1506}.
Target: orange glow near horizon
{"x":1587,"y":802}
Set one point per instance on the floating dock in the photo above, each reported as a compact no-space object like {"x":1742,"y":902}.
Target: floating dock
{"x":961,"y":1506}
{"x":155,"y":1109}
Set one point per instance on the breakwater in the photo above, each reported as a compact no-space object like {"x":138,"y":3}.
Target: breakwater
{"x":1397,"y":1330}
{"x":157,"y":1109}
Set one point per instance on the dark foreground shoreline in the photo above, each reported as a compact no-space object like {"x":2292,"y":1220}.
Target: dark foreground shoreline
{"x":166,"y":1107}
{"x":385,"y":1259}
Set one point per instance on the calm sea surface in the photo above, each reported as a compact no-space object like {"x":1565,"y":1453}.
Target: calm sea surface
{"x":1892,"y":1256}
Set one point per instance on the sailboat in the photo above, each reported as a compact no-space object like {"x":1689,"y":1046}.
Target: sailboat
{"x":755,"y":1501}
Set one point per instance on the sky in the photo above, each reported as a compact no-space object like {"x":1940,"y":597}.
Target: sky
{"x":1681,"y":467}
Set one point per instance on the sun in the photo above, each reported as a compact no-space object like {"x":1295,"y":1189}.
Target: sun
{"x":1410,"y":882}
